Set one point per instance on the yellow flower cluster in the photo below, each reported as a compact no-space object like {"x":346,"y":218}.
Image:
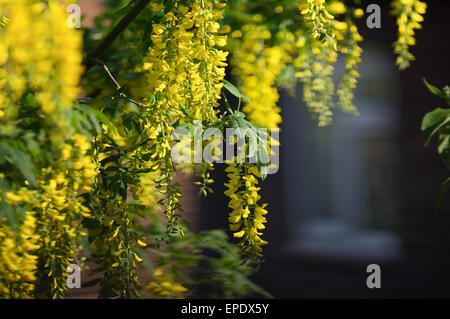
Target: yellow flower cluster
{"x":185,"y":69}
{"x":3,"y":18}
{"x":352,"y":51}
{"x":314,"y":63}
{"x":336,"y":7}
{"x":164,"y":171}
{"x":114,"y":252}
{"x":113,"y":245}
{"x":146,"y":191}
{"x":163,"y":288}
{"x":58,"y":209}
{"x":18,"y":263}
{"x":257,"y":68}
{"x":247,"y":216}
{"x":40,"y":57}
{"x":53,"y":72}
{"x":409,"y":15}
{"x":317,"y":16}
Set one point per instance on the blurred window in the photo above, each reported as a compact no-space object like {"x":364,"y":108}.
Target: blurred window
{"x":340,"y":194}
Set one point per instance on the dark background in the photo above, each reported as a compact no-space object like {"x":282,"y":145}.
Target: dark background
{"x":397,"y":181}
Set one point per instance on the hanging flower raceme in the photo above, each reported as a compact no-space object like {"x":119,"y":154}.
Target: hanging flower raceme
{"x":115,"y":253}
{"x":18,"y":262}
{"x":257,"y":67}
{"x":185,"y":41}
{"x":48,"y":164}
{"x":314,"y":65}
{"x":124,"y":189}
{"x":409,"y":15}
{"x":55,"y":71}
{"x":60,"y":209}
{"x":161,"y":287}
{"x":185,"y":71}
{"x":350,"y":47}
{"x":247,"y":217}
{"x":319,"y":20}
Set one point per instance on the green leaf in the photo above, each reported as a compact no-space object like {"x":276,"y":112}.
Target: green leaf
{"x":6,"y":211}
{"x":25,"y":166}
{"x":439,"y":93}
{"x":263,"y":172}
{"x":32,"y":144}
{"x":444,"y":147}
{"x":242,"y":122}
{"x":86,"y":100}
{"x":183,"y":110}
{"x":102,"y":118}
{"x":234,"y":90}
{"x":142,"y":170}
{"x":188,"y":126}
{"x":233,"y":122}
{"x":241,"y":115}
{"x":185,"y":260}
{"x":127,"y":123}
{"x":21,"y":160}
{"x":253,"y":143}
{"x":30,"y":101}
{"x":433,"y":121}
{"x":93,"y":123}
{"x":444,"y":188}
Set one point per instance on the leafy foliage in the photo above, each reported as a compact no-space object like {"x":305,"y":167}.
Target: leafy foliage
{"x":437,"y":122}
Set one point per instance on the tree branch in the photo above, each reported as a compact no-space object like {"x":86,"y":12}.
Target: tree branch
{"x":118,"y":86}
{"x":90,"y":59}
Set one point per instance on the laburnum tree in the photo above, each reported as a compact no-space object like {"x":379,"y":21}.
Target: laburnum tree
{"x":86,"y":133}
